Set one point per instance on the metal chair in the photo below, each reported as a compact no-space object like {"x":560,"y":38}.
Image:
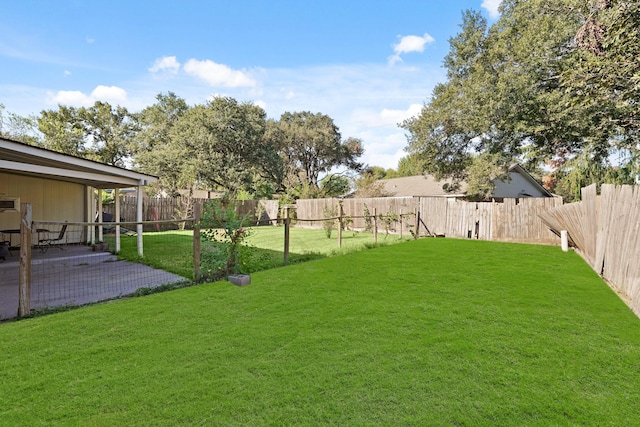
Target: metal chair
{"x":4,"y":250}
{"x":45,"y":244}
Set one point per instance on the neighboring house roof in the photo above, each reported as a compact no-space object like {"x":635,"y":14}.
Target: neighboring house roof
{"x":520,"y":184}
{"x":420,"y":185}
{"x":23,"y":159}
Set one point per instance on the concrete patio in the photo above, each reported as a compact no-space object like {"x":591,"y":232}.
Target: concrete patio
{"x":75,"y":276}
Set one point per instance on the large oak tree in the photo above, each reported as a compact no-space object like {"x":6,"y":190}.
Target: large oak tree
{"x":310,"y":145}
{"x":527,"y":88}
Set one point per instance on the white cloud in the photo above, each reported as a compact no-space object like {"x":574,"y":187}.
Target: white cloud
{"x":166,"y":64}
{"x":260,"y":104}
{"x":111,"y":94}
{"x":385,"y":117}
{"x":409,"y":44}
{"x":67,"y":73}
{"x":492,"y":7}
{"x":76,"y":98}
{"x":365,"y":101}
{"x":218,"y":74}
{"x":71,"y":97}
{"x":396,"y":116}
{"x":90,"y":40}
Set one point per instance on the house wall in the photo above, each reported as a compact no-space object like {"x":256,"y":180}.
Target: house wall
{"x":50,"y":200}
{"x":518,"y":186}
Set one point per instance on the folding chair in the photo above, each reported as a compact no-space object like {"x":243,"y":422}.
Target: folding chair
{"x":45,"y":244}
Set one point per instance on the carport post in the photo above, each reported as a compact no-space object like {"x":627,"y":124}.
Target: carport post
{"x":116,"y":197}
{"x":100,"y":236}
{"x":24,"y":280}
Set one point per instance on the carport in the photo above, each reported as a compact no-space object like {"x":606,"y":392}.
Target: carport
{"x":61,"y":187}
{"x":58,"y":188}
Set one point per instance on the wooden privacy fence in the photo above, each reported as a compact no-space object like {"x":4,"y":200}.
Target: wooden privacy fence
{"x":605,"y":230}
{"x":173,"y":208}
{"x":514,"y":220}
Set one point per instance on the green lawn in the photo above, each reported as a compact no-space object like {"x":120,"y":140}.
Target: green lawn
{"x":173,"y":250}
{"x":428,"y":332}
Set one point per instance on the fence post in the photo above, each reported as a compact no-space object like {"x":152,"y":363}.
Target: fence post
{"x":401,"y":214}
{"x":375,"y":225}
{"x":417,"y":234}
{"x":340,"y":213}
{"x":287,"y":222}
{"x":24,"y":281}
{"x":197,"y":215}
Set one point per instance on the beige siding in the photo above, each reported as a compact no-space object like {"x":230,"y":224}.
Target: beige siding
{"x":50,"y":200}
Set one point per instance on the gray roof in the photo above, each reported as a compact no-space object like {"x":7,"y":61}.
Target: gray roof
{"x":420,"y":185}
{"x":428,"y":186}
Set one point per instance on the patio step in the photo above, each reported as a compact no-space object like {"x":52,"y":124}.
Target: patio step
{"x":84,"y":258}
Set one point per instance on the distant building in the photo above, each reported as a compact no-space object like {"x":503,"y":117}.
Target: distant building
{"x":520,"y":184}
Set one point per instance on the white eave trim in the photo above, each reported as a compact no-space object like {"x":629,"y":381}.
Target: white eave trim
{"x":74,"y":174}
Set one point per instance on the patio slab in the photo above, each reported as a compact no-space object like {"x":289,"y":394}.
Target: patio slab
{"x":76,"y":276}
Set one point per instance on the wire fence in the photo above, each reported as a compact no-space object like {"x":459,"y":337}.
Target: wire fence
{"x":72,"y":264}
{"x":69,"y":266}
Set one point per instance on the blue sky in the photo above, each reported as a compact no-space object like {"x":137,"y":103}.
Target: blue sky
{"x":366,"y":64}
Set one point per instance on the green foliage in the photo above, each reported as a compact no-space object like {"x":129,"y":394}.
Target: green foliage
{"x":224,"y":144}
{"x":157,"y":151}
{"x":542,"y":84}
{"x":411,"y":165}
{"x":606,"y":74}
{"x":586,"y":169}
{"x":310,"y":145}
{"x":368,"y":219}
{"x":109,"y":132}
{"x":483,"y":171}
{"x":19,"y":128}
{"x":100,"y":132}
{"x":108,"y":197}
{"x":329,"y":223}
{"x":368,"y":185}
{"x":63,"y":131}
{"x":224,"y":232}
{"x":389,"y":221}
{"x":334,"y":185}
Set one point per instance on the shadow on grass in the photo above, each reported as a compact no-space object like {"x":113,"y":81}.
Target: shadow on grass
{"x":260,"y":259}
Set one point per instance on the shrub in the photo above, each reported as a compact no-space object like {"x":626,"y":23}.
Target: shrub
{"x":329,"y":222}
{"x":368,"y":222}
{"x":223,"y":230}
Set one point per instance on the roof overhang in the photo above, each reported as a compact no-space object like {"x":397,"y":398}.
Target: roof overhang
{"x":519,"y":169}
{"x":22,"y":159}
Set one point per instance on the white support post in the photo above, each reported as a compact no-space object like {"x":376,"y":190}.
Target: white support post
{"x":116,"y":196}
{"x":100,"y":235}
{"x":139,"y":220}
{"x":564,"y":240}
{"x":91,"y":238}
